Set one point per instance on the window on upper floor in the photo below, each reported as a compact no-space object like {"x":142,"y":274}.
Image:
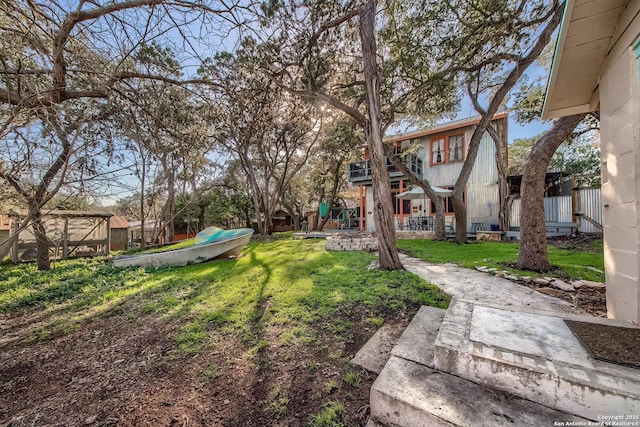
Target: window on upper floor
{"x":447,"y":149}
{"x":415,"y":164}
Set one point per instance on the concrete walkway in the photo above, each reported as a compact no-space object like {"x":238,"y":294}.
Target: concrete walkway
{"x":479,"y":362}
{"x":483,"y":288}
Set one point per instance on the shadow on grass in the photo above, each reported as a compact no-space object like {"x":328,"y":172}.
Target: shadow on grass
{"x":287,"y":284}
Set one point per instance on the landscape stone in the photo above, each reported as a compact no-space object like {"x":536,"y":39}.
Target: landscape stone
{"x":500,"y":274}
{"x":541,"y":281}
{"x":578,"y":284}
{"x":562,"y":285}
{"x":591,"y":284}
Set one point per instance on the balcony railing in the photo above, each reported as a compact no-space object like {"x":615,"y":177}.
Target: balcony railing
{"x":361,"y":171}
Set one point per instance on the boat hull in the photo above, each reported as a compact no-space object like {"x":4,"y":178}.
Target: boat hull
{"x":192,"y":255}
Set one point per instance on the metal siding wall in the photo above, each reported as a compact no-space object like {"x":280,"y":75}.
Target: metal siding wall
{"x":482,"y":189}
{"x":371,"y":225}
{"x":590,"y":204}
{"x":556,"y":209}
{"x":514,"y":220}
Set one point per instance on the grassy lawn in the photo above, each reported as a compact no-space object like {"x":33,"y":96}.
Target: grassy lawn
{"x":584,"y":263}
{"x":279,"y":301}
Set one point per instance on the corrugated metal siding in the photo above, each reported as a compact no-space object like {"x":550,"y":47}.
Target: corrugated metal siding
{"x":482,"y":188}
{"x":371,"y":225}
{"x":590,"y":204}
{"x":514,"y":217}
{"x":556,"y":209}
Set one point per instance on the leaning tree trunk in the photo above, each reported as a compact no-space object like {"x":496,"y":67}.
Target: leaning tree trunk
{"x":533,"y":231}
{"x":42,"y":242}
{"x":461,"y":217}
{"x":383,"y":212}
{"x":438,"y":228}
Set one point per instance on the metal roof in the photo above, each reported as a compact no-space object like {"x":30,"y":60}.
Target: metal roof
{"x":445,"y":127}
{"x":118,"y":221}
{"x":64,"y":213}
{"x":588,"y":32}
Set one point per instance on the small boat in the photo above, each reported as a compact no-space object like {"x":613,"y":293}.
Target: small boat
{"x":210,"y":243}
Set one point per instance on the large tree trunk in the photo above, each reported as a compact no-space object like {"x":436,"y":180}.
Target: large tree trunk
{"x":438,"y":229}
{"x":460,"y":210}
{"x":42,"y":242}
{"x":383,"y":212}
{"x":533,"y":231}
{"x":171,"y":202}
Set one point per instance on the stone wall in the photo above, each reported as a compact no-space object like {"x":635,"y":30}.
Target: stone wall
{"x":414,"y":234}
{"x":352,"y":242}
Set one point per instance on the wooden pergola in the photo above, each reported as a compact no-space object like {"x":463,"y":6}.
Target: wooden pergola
{"x":70,"y":233}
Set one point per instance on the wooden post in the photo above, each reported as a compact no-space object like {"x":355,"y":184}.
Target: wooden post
{"x":108,"y":245}
{"x":16,"y":243}
{"x":575,"y":203}
{"x":65,"y":238}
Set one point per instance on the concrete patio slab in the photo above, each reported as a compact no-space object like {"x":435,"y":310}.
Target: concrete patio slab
{"x":533,"y":354}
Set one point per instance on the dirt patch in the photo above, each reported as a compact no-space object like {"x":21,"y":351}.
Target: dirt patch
{"x":124,"y":369}
{"x":580,"y":242}
{"x":609,"y":343}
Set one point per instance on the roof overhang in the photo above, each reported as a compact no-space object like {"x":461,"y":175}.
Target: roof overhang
{"x":585,"y":40}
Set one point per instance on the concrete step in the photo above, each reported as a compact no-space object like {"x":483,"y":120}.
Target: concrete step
{"x":534,"y":355}
{"x":408,"y":394}
{"x":415,"y":342}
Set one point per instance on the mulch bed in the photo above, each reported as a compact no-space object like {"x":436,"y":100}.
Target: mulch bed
{"x":614,"y":344}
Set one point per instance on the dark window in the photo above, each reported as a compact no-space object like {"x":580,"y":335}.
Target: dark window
{"x":438,"y":151}
{"x":448,"y":204}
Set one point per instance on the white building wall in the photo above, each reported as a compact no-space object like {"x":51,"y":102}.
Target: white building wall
{"x":620,"y":123}
{"x":482,"y":193}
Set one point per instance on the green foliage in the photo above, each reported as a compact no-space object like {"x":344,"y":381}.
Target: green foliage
{"x":330,"y":386}
{"x":212,"y":371}
{"x":332,"y":415}
{"x":353,"y":379}
{"x":528,"y":101}
{"x":568,"y":264}
{"x":578,"y":156}
{"x":294,"y":286}
{"x":278,"y":402}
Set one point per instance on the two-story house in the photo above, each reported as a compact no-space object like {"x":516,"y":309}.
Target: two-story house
{"x":438,"y":155}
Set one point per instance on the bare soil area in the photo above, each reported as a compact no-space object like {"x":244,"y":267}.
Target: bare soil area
{"x":125,"y":369}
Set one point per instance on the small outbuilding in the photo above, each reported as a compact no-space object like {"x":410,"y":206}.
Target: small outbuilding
{"x":119,"y":233}
{"x":70,"y":234}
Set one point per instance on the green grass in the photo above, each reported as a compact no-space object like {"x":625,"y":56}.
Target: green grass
{"x":332,"y":415}
{"x":575,"y":264}
{"x":353,"y":379}
{"x":293,"y":286}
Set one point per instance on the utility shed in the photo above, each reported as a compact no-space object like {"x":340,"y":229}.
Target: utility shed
{"x":119,"y":233}
{"x":70,"y":234}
